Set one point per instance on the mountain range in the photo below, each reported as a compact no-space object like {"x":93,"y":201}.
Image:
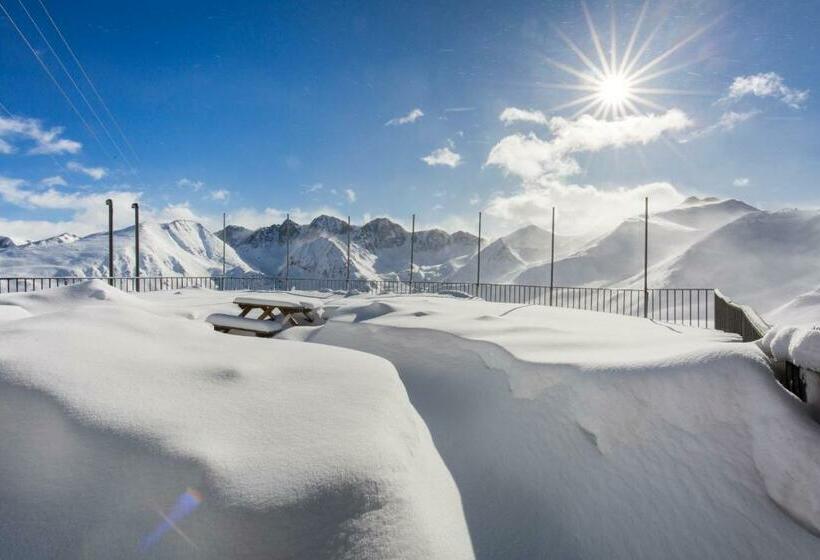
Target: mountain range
{"x":757,"y":257}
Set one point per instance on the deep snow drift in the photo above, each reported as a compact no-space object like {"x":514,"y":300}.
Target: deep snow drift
{"x":113,"y":408}
{"x":573,"y":434}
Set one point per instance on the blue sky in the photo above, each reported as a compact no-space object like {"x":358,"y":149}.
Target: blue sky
{"x":259,"y":108}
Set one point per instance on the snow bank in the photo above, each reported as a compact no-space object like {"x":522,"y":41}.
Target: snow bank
{"x":573,"y":434}
{"x":797,"y":344}
{"x":111,"y":406}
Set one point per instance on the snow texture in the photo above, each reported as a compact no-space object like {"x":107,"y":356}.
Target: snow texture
{"x":572,"y":434}
{"x":112,"y":405}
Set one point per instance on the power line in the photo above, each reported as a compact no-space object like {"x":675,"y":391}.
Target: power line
{"x":74,"y":83}
{"x":54,"y":80}
{"x":90,"y":83}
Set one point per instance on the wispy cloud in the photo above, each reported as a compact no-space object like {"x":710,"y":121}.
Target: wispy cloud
{"x":350,"y":194}
{"x":769,"y":84}
{"x":315,"y":187}
{"x":186,"y":183}
{"x":95,"y":173}
{"x":410,"y":117}
{"x":46,"y":140}
{"x":741,"y":182}
{"x":443,"y":156}
{"x":512,"y":115}
{"x":727,"y":121}
{"x":219,"y":194}
{"x":530,"y":156}
{"x":55,"y":181}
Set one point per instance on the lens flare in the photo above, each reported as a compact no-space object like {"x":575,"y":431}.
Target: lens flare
{"x":186,"y":503}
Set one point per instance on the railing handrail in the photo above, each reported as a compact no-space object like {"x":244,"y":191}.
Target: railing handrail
{"x":757,"y":326}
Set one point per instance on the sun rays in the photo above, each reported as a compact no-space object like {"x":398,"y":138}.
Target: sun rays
{"x":615,"y":85}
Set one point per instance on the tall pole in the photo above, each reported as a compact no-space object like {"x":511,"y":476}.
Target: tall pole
{"x":348,"y":253}
{"x":552,"y":253}
{"x":110,"y":204}
{"x":645,"y":257}
{"x":136,"y":208}
{"x":224,"y":235}
{"x":287,"y":253}
{"x":412,"y":249}
{"x":478,"y":264}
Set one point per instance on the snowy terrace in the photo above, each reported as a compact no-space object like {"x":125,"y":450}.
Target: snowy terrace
{"x":412,"y":426}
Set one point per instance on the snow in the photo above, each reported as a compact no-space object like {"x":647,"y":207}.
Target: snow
{"x":244,"y":324}
{"x":805,"y":308}
{"x":572,"y":434}
{"x":111,"y":405}
{"x":762,"y":259}
{"x":798,"y":344}
{"x":176,"y":248}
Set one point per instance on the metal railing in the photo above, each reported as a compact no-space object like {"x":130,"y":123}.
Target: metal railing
{"x":739,"y":319}
{"x":684,"y":306}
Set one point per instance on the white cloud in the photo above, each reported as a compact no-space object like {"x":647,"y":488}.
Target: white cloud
{"x":95,"y":173}
{"x":531,"y":157}
{"x":728,"y":121}
{"x":46,"y":141}
{"x":351,"y":195}
{"x":55,"y":181}
{"x":88,"y":212}
{"x":586,"y":208}
{"x":442,"y":156}
{"x":769,"y":84}
{"x":741,"y":182}
{"x":512,"y":115}
{"x":315,"y":187}
{"x":186,"y":183}
{"x":410,"y":117}
{"x":475,"y":199}
{"x":220,"y":194}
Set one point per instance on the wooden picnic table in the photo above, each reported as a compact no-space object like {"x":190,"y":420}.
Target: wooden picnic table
{"x":268,"y":308}
{"x":267,"y":324}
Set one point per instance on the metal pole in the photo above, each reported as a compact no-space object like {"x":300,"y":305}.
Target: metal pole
{"x":478,"y":264}
{"x":645,"y":256}
{"x":287,"y":245}
{"x":110,"y":204}
{"x":136,"y":208}
{"x":224,"y":235}
{"x":552,"y":254}
{"x":348,"y":253}
{"x":412,"y":249}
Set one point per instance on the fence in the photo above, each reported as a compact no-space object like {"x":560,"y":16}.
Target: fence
{"x":746,"y":322}
{"x":685,"y":306}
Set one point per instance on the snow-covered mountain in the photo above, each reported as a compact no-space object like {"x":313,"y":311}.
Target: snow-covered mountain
{"x":378,"y":249}
{"x":618,"y":255}
{"x":6,"y":242}
{"x":763,"y":259}
{"x":177,"y":248}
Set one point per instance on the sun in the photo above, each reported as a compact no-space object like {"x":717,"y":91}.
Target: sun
{"x":617,"y":84}
{"x":614,"y":91}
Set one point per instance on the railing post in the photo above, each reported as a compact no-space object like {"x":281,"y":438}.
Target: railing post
{"x":136,"y":208}
{"x":412,"y":248}
{"x":478,"y":262}
{"x":287,"y":253}
{"x":224,"y":236}
{"x":645,"y":257}
{"x":348,"y":254}
{"x":110,"y":204}
{"x":552,"y":254}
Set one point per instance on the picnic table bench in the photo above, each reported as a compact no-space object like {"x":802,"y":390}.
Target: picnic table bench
{"x":267,"y":324}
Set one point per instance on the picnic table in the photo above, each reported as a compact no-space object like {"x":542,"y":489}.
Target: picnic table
{"x":268,"y":322}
